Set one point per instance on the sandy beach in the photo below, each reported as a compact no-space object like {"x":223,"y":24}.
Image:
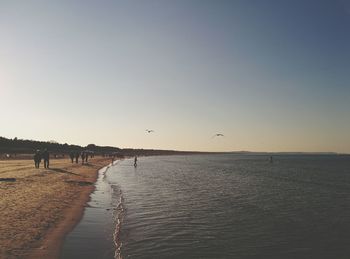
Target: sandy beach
{"x":41,"y":206}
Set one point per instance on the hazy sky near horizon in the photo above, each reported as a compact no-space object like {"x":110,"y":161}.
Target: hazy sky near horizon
{"x":270,"y":75}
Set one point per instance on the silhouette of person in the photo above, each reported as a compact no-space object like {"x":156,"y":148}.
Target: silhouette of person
{"x":37,"y":158}
{"x":135,"y":161}
{"x":86,"y":157}
{"x":82,"y":157}
{"x":71,"y":155}
{"x":46,"y":157}
{"x":76,"y":157}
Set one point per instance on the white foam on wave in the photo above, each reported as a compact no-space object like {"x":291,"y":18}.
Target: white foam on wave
{"x":119,"y":215}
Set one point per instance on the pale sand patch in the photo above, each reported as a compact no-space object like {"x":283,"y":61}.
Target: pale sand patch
{"x":42,"y":205}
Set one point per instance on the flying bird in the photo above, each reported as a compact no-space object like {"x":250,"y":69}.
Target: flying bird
{"x":149,"y":131}
{"x":218,"y":135}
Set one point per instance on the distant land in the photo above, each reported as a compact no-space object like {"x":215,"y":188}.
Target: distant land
{"x":15,"y":146}
{"x":284,"y":153}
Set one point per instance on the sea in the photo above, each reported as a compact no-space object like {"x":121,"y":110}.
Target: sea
{"x":218,"y":206}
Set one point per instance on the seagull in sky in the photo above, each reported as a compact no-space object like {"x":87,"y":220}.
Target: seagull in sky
{"x":218,"y":135}
{"x":149,"y":131}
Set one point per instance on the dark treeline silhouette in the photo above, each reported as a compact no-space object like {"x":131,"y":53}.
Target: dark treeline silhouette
{"x":23,"y":146}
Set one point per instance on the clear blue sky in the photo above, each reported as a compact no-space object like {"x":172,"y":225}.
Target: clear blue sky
{"x":270,"y":75}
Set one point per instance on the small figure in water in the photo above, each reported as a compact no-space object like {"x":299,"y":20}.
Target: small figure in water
{"x":46,"y":157}
{"x":135,"y":161}
{"x":271,"y":160}
{"x":37,"y":158}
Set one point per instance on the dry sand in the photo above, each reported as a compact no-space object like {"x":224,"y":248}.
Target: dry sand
{"x":42,"y":205}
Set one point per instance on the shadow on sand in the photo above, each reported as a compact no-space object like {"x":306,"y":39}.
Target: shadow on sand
{"x":59,"y":170}
{"x":80,"y":183}
{"x":89,"y":165}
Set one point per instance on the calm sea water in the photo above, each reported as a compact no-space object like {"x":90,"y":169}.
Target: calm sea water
{"x":218,"y":206}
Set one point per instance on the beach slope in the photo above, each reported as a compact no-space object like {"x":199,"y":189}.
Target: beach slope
{"x":38,"y":207}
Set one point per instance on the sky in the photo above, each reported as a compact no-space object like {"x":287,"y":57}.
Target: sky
{"x":270,"y":75}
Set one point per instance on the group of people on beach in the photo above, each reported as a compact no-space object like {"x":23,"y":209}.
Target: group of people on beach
{"x":75,"y":156}
{"x":39,"y":155}
{"x":44,"y":155}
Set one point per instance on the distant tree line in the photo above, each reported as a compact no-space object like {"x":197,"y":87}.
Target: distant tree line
{"x":24,"y":146}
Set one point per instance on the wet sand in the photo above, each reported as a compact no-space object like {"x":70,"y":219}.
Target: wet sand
{"x":42,"y":205}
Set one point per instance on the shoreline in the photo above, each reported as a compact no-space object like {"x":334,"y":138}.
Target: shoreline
{"x":98,"y":224}
{"x":52,"y":244}
{"x":43,"y":205}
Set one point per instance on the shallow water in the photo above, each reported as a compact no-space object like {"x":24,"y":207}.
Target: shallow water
{"x":219,"y":206}
{"x":93,"y":236}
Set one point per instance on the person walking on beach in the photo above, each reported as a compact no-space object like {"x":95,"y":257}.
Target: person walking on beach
{"x":76,"y":157}
{"x":135,"y":161}
{"x":71,"y":155}
{"x":82,"y":157}
{"x":37,"y":158}
{"x":46,"y":157}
